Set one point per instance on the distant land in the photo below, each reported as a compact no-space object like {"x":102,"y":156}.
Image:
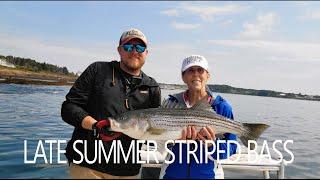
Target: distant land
{"x":233,"y":90}
{"x":28,"y":71}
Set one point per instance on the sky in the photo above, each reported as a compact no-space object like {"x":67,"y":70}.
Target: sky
{"x":248,"y":44}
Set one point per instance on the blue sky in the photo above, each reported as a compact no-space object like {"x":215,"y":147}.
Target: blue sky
{"x":260,"y":45}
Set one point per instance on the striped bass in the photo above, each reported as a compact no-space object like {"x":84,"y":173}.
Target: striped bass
{"x":166,"y":123}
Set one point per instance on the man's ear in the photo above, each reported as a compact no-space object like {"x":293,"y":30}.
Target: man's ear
{"x":119,"y":49}
{"x":147,"y":52}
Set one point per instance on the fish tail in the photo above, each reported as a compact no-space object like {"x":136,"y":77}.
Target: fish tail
{"x":253,"y":132}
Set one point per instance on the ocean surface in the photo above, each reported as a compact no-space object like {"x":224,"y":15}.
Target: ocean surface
{"x":32,"y":113}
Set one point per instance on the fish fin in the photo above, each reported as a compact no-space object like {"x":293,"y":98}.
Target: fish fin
{"x":253,"y":132}
{"x":175,"y":105}
{"x":169,"y":104}
{"x":202,"y":105}
{"x":178,"y":106}
{"x":156,"y":131}
{"x":164,"y":103}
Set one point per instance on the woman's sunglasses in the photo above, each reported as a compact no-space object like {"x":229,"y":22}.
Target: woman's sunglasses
{"x":140,"y":48}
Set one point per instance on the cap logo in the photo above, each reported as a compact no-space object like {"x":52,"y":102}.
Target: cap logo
{"x":133,"y":32}
{"x":192,"y":59}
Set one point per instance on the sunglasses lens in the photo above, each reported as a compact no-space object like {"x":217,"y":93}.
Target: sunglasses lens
{"x":140,"y":48}
{"x":128,"y":47}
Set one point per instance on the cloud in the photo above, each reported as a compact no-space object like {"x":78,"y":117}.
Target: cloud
{"x":226,"y":23}
{"x":275,"y":50}
{"x":206,"y":13}
{"x":264,"y":24}
{"x":275,"y":65}
{"x":302,"y":3}
{"x":164,"y":61}
{"x":311,"y":15}
{"x":177,"y":25}
{"x":171,"y":12}
{"x":75,"y":57}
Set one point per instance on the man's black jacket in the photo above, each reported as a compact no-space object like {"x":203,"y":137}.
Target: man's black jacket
{"x":101,"y":91}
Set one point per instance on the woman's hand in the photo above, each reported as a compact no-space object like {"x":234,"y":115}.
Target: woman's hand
{"x":207,"y":133}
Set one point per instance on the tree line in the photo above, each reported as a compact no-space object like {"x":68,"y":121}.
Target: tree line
{"x":32,"y":65}
{"x":268,"y":93}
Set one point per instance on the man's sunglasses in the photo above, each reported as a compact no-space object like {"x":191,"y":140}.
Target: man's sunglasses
{"x":140,"y":48}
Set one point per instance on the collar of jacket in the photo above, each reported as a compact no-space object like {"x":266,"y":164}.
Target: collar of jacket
{"x":217,"y":98}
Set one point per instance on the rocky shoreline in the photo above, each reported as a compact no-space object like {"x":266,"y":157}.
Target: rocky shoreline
{"x":18,"y":76}
{"x":16,"y":80}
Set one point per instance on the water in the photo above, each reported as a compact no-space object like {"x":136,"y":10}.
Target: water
{"x":32,"y":113}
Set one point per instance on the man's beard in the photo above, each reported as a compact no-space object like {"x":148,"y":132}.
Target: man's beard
{"x":132,"y":67}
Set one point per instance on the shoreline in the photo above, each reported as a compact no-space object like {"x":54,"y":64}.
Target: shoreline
{"x":57,"y":82}
{"x":19,"y":76}
{"x":34,"y":81}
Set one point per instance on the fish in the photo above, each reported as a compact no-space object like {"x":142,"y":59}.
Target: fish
{"x":166,"y":123}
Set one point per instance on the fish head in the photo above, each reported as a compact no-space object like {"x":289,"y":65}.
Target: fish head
{"x":134,"y":127}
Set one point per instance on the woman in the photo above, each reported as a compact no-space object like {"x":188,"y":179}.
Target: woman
{"x":196,"y":75}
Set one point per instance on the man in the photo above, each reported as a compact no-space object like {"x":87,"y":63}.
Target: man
{"x":104,"y":90}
